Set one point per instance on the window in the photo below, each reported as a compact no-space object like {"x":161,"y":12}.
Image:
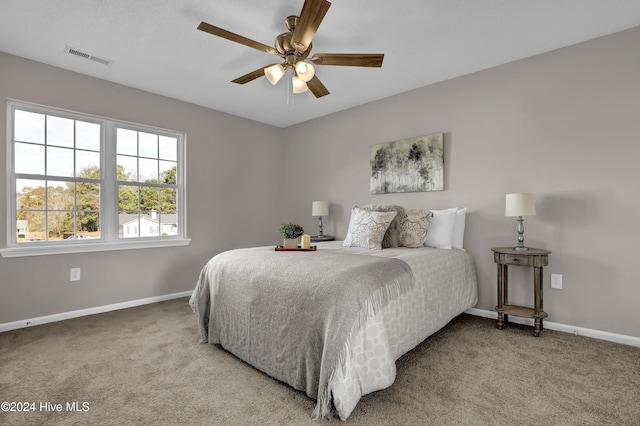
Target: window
{"x":79,"y":182}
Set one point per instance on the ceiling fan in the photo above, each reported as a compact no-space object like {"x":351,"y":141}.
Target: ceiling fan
{"x":294,"y":47}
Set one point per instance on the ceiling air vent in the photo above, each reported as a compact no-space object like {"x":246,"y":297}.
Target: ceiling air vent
{"x":89,"y":56}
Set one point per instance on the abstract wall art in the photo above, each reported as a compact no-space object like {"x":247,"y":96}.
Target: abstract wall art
{"x":408,"y":165}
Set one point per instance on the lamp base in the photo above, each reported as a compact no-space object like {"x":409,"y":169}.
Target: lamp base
{"x":520,"y":245}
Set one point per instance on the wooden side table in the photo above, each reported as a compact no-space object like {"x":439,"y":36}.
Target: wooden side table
{"x":534,"y":258}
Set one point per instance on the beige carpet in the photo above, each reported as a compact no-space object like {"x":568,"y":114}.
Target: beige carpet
{"x":144,"y":366}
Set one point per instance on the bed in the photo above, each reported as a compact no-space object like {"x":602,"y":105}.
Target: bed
{"x":331,"y":322}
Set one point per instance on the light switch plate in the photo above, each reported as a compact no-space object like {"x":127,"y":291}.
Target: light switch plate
{"x":74,"y":275}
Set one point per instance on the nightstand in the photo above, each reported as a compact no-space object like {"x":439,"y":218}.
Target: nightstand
{"x":321,"y":238}
{"x":534,"y":258}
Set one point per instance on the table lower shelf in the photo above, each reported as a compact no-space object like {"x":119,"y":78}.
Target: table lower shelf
{"x":521,"y":311}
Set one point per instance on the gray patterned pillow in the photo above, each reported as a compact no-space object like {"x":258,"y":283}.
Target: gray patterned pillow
{"x":367,"y":228}
{"x":392,"y":236}
{"x":413,"y":227}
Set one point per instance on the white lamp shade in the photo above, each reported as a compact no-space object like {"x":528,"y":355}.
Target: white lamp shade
{"x":520,"y":204}
{"x":274,"y":73}
{"x":319,"y":208}
{"x":305,"y":71}
{"x":299,"y":86}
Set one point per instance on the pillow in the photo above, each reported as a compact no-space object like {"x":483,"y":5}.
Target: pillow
{"x":414,"y":225}
{"x":392,"y":236}
{"x":440,"y":234}
{"x":367,"y":228}
{"x":458,"y":229}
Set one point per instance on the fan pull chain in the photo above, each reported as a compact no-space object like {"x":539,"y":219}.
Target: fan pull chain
{"x":290,"y":96}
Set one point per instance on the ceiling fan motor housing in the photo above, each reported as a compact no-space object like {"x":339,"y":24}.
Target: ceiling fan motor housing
{"x":283,"y":42}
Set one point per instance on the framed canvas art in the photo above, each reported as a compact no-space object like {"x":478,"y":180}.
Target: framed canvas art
{"x":408,"y":165}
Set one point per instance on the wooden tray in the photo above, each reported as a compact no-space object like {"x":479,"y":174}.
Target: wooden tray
{"x":312,"y":248}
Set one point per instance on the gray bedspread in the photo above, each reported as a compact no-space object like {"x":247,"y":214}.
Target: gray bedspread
{"x":290,"y":314}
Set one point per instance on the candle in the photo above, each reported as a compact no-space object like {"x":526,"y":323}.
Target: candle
{"x":305,"y":242}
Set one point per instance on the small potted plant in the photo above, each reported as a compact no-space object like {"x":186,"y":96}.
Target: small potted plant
{"x":291,"y":232}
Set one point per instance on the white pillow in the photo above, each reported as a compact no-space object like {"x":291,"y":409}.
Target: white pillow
{"x":458,"y":229}
{"x":440,"y":234}
{"x":414,"y":226}
{"x":367,"y":228}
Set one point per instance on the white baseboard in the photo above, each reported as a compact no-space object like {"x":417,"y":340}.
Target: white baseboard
{"x":596,"y":334}
{"x":7,"y":326}
{"x":581,"y":331}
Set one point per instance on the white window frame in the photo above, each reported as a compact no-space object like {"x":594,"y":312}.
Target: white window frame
{"x":109,"y":239}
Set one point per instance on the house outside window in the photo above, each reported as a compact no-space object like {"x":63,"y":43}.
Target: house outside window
{"x":79,"y":183}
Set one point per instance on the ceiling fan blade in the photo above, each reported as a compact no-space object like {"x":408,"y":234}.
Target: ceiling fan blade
{"x":216,"y":31}
{"x":316,"y":87}
{"x":251,"y":76}
{"x":348,"y":59}
{"x":311,"y":16}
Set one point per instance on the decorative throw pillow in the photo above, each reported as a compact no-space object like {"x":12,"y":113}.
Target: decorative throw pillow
{"x":458,"y":229}
{"x":441,"y":227}
{"x":392,"y":236}
{"x":367,"y":228}
{"x":413,"y":227}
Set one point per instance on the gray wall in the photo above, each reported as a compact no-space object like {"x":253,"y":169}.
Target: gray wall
{"x":563,"y":125}
{"x":233,"y":192}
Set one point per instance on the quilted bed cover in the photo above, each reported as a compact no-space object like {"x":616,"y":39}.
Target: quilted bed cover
{"x":444,"y":285}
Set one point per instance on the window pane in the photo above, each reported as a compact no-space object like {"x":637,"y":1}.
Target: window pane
{"x":22,"y":227}
{"x":168,"y":172}
{"x":60,"y":224}
{"x":168,"y":223}
{"x":148,"y":170}
{"x":70,"y":231}
{"x":59,"y":161}
{"x":148,"y":145}
{"x":88,"y":221}
{"x":29,"y":158}
{"x":34,"y":225}
{"x":148,"y":198}
{"x":88,"y":199}
{"x":127,"y":168}
{"x":29,"y":127}
{"x":61,"y":202}
{"x":129,"y":225}
{"x":60,"y":195}
{"x":87,"y":136}
{"x":127,"y":142}
{"x":149,"y":225}
{"x":168,"y":197}
{"x":30,"y":194}
{"x":59,"y":131}
{"x":128,"y":198}
{"x":88,"y":164}
{"x":168,"y":148}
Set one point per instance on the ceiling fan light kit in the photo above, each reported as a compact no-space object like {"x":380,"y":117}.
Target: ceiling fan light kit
{"x":294,"y":47}
{"x":274,"y":73}
{"x":305,"y":71}
{"x":299,"y":86}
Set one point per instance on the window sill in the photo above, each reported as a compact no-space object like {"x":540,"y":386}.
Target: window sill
{"x":81,"y":247}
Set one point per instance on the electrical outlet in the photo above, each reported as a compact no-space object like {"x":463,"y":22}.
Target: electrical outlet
{"x":74,"y":274}
{"x":556,"y":281}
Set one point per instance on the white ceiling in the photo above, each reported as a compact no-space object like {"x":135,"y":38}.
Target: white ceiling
{"x":155,"y":46}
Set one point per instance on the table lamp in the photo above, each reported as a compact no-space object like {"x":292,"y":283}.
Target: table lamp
{"x":520,"y":204}
{"x":320,"y":208}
